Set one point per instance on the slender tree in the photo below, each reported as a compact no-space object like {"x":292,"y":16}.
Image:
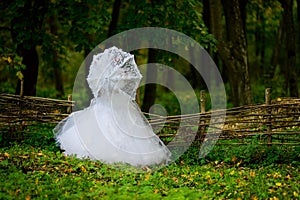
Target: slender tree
{"x":55,"y":61}
{"x":290,"y":48}
{"x":114,"y":17}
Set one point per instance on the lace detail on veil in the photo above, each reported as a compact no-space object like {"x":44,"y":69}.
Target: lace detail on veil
{"x":113,"y":70}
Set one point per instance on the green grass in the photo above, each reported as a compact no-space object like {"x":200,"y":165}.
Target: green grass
{"x":34,"y":168}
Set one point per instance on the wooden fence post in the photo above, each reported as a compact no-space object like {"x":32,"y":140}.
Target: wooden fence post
{"x":69,"y":108}
{"x":269,"y":112}
{"x":202,"y":101}
{"x":201,"y":129}
{"x":22,"y":88}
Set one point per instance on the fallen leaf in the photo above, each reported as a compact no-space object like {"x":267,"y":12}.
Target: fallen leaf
{"x":147,"y":177}
{"x":287,"y":177}
{"x":39,"y":154}
{"x":25,"y":157}
{"x":83,"y":169}
{"x":278,"y":184}
{"x":274,"y":198}
{"x":175,"y":179}
{"x":9,"y":60}
{"x":252,"y":173}
{"x":17,"y":192}
{"x":254,"y":198}
{"x":233,"y":159}
{"x":6,"y":155}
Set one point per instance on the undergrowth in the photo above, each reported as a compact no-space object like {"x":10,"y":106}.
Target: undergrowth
{"x":33,"y":167}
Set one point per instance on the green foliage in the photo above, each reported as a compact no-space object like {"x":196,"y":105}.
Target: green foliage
{"x":81,"y":25}
{"x":35,"y":168}
{"x":182,"y":16}
{"x":10,"y":63}
{"x":84,"y":21}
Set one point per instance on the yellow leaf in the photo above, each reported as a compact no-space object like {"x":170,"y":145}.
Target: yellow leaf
{"x":6,"y":155}
{"x":252,"y":173}
{"x":25,"y":157}
{"x":254,"y":198}
{"x":19,"y":75}
{"x":83,"y":169}
{"x":156,"y":191}
{"x":276,"y":175}
{"x":278,"y":184}
{"x":295,"y":194}
{"x":147,"y":177}
{"x":36,"y":181}
{"x":232,"y":172}
{"x":207,"y":176}
{"x":9,"y":60}
{"x":27,"y":198}
{"x":39,"y":154}
{"x":284,"y":194}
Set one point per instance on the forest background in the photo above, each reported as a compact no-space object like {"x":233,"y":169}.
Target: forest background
{"x":255,"y":44}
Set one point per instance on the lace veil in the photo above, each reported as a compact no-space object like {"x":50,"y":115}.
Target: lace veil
{"x":113,"y":71}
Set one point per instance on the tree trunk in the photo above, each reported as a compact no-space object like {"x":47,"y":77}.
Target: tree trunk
{"x":270,"y":70}
{"x":260,"y":41}
{"x":207,"y":13}
{"x":25,"y":31}
{"x":150,"y":89}
{"x":115,"y":16}
{"x":31,"y":61}
{"x":290,"y":45}
{"x":233,"y":52}
{"x":216,"y":28}
{"x":55,"y":60}
{"x":298,"y":32}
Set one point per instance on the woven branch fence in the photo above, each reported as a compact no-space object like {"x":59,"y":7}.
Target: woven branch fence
{"x":274,"y":122}
{"x":18,"y":112}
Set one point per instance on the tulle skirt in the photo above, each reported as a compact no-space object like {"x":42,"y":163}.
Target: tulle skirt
{"x":112,"y":131}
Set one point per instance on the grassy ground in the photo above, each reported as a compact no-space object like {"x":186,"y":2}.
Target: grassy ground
{"x":34,"y":168}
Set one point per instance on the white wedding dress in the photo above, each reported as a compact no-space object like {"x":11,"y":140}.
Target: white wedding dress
{"x":112,"y":129}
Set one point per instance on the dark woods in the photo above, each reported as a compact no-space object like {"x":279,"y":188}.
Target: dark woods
{"x":254,"y":43}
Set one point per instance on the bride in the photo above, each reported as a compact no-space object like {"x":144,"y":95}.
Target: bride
{"x":112,"y":129}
